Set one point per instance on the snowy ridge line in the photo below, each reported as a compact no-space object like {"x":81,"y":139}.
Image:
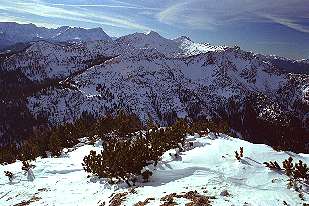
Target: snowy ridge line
{"x":13,"y":33}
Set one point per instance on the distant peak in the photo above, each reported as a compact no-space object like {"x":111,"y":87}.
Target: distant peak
{"x":18,"y":24}
{"x":152,"y":33}
{"x":96,"y":29}
{"x":183,"y":38}
{"x":305,"y":61}
{"x":64,"y":27}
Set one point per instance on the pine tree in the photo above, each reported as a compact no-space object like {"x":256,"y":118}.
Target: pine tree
{"x":241,"y":152}
{"x":301,"y":171}
{"x":10,"y":175}
{"x":55,"y":143}
{"x":146,"y":175}
{"x":288,"y":166}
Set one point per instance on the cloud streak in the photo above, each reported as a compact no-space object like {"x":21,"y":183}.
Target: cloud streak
{"x":77,"y":14}
{"x":108,"y":6}
{"x":7,"y":18}
{"x":209,"y":14}
{"x":288,"y":23}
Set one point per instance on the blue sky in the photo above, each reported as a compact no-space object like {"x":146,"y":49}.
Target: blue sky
{"x":279,"y":27}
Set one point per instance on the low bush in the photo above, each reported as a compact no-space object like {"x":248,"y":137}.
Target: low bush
{"x":273,"y":165}
{"x":301,"y":171}
{"x":10,"y":175}
{"x":202,"y":126}
{"x":54,"y":139}
{"x":296,"y":171}
{"x":125,"y":159}
{"x":8,"y":154}
{"x":239,"y":155}
{"x":288,"y":166}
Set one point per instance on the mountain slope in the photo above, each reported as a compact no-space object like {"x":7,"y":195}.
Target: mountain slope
{"x":191,"y":48}
{"x":288,"y":65}
{"x":150,"y":83}
{"x":209,"y":168}
{"x":45,"y":61}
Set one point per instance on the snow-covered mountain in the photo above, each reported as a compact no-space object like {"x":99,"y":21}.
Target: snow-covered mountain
{"x":160,"y":78}
{"x":288,"y":65}
{"x":209,"y":168}
{"x":150,"y":75}
{"x":306,"y":61}
{"x":191,"y":48}
{"x":44,"y":60}
{"x":12,"y":33}
{"x":80,"y":34}
{"x":150,"y":83}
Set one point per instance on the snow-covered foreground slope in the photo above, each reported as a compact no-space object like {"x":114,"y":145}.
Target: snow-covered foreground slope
{"x":210,"y":168}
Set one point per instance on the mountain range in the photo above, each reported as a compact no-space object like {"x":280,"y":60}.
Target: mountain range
{"x":55,"y":75}
{"x":12,"y":33}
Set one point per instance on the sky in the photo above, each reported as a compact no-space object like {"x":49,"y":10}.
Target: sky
{"x":278,"y":27}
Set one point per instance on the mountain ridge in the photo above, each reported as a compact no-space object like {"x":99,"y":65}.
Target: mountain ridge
{"x":160,"y":78}
{"x":12,"y":33}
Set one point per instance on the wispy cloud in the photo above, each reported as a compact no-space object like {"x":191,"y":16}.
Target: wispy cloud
{"x":209,"y":14}
{"x":146,"y":15}
{"x":288,"y":23}
{"x":108,"y":6}
{"x":183,"y":13}
{"x":38,"y":8}
{"x":7,"y":18}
